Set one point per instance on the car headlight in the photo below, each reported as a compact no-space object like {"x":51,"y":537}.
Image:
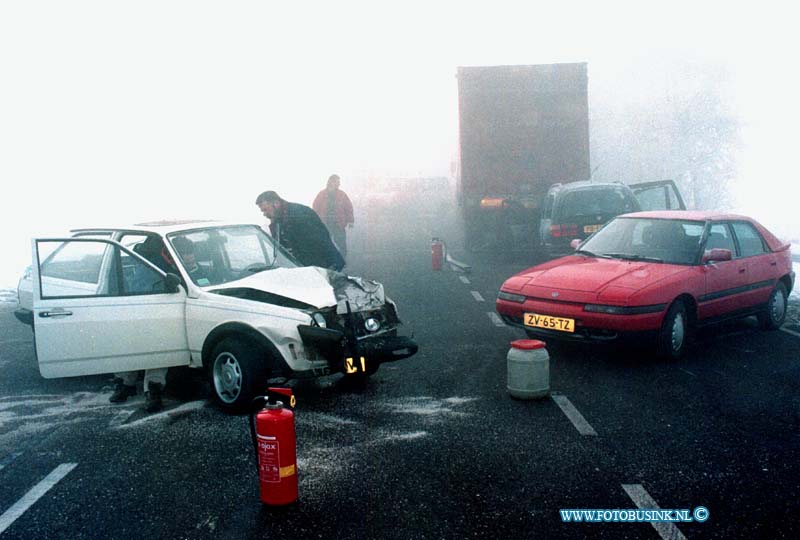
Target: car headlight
{"x":597,"y":308}
{"x":518,"y":298}
{"x":624,"y":310}
{"x":319,"y":319}
{"x":372,"y":324}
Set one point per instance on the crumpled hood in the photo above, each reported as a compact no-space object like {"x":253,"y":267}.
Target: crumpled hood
{"x":315,"y":286}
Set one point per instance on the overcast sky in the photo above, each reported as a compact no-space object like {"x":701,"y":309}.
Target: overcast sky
{"x":121,"y":112}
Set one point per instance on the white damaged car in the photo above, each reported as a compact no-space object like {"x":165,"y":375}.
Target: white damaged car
{"x":223,"y":297}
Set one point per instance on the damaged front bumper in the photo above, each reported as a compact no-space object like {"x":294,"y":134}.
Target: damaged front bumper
{"x":360,"y":332}
{"x":335,"y":346}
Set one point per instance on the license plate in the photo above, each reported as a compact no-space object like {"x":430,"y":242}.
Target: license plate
{"x":355,"y":365}
{"x":549,"y":323}
{"x":589,"y":229}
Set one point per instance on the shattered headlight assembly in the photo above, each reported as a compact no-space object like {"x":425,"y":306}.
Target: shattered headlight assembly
{"x":319,"y":318}
{"x":372,"y":325}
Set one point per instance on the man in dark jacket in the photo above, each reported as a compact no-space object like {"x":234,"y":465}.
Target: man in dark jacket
{"x":300,"y":231}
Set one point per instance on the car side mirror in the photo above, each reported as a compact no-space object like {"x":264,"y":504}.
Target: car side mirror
{"x":717,"y":255}
{"x":575,"y":243}
{"x":172,"y":283}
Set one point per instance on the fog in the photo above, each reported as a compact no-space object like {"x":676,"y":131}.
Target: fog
{"x":116,"y":113}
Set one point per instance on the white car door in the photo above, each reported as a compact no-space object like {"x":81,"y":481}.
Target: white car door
{"x":100,"y":308}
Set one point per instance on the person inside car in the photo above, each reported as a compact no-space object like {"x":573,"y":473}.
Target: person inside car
{"x":187,"y":253}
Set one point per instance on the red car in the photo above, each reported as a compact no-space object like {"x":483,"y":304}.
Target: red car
{"x":654,"y":275}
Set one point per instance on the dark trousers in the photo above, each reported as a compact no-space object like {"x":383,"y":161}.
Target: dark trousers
{"x":339,"y":235}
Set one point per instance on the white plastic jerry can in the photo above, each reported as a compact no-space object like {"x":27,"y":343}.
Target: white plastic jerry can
{"x":528,"y":369}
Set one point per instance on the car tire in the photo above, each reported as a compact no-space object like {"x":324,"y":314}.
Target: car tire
{"x":237,"y":373}
{"x":774,"y":313}
{"x":673,"y":337}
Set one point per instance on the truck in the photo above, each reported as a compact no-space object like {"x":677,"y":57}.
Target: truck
{"x":522,"y":129}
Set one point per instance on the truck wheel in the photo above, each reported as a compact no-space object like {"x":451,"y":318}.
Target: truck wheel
{"x":774,"y":314}
{"x":237,"y":372}
{"x":673,"y":337}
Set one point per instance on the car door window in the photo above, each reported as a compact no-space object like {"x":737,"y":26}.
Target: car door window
{"x":137,"y":277}
{"x":750,"y":242}
{"x":70,"y":268}
{"x":661,"y":195}
{"x":652,"y":199}
{"x":719,"y":237}
{"x":84,"y":268}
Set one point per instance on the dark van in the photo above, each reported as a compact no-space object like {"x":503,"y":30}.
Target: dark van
{"x":577,"y":209}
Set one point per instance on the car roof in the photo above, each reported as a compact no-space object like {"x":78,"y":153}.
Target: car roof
{"x":690,"y":215}
{"x":164,"y":227}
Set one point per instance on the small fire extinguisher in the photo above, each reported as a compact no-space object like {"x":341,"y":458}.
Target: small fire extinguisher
{"x":437,"y":253}
{"x":272,"y":429}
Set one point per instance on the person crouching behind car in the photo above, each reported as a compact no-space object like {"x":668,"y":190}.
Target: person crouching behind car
{"x":154,"y":382}
{"x":300,"y":231}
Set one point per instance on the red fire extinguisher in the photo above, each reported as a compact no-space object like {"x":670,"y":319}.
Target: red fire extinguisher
{"x":272,"y":429}
{"x":437,"y":253}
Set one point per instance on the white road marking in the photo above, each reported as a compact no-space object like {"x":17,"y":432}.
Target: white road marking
{"x":120,"y":418}
{"x":477,"y":296}
{"x":796,"y":334}
{"x":36,"y":493}
{"x":167,"y":414}
{"x":574,"y":415}
{"x":495,"y":318}
{"x":687,"y":371}
{"x":643,"y":500}
{"x":464,"y":279}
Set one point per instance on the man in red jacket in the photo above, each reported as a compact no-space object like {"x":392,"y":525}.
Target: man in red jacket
{"x":335,"y":209}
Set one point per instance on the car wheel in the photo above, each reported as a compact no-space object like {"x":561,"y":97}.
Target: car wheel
{"x":237,"y":372}
{"x":774,"y":314}
{"x":673,"y":337}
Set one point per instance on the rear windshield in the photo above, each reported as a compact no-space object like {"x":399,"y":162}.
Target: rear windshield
{"x":592,"y":202}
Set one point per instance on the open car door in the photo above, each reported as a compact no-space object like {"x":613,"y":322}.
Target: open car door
{"x":661,"y":195}
{"x":100,"y":308}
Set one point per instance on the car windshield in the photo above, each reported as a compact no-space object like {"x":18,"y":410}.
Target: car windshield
{"x":223,"y":254}
{"x":595,"y":201}
{"x":647,"y":239}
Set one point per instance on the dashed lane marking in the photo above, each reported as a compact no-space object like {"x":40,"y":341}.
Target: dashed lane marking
{"x":477,"y":296}
{"x":687,"y":372}
{"x":464,"y":279}
{"x":574,"y":415}
{"x":36,"y":493}
{"x":643,"y":500}
{"x":495,"y":318}
{"x":796,"y":334}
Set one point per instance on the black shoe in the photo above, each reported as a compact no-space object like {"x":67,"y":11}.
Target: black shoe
{"x":122,"y":392}
{"x":152,"y":398}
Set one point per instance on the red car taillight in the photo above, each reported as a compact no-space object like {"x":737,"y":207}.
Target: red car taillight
{"x":564,"y":231}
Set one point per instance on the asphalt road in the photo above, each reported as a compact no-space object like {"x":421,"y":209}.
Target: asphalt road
{"x":431,"y":446}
